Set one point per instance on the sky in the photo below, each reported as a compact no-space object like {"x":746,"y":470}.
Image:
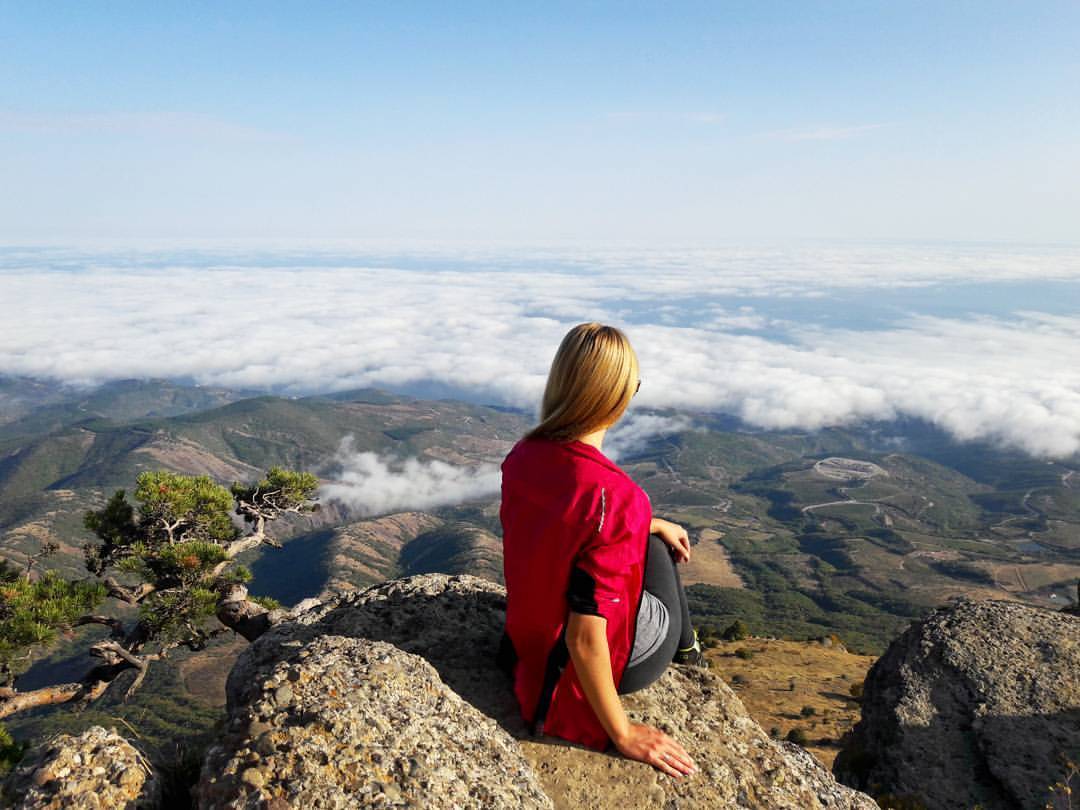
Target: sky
{"x":802,"y":213}
{"x":660,"y":124}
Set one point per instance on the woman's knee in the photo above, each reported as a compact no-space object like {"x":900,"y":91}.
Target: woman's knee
{"x":657,"y":545}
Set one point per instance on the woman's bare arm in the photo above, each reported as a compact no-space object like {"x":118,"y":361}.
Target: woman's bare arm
{"x":586,"y":640}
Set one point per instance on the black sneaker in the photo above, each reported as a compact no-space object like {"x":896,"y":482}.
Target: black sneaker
{"x":692,"y":655}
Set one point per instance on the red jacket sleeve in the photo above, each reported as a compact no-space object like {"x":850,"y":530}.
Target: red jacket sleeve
{"x":602,"y":567}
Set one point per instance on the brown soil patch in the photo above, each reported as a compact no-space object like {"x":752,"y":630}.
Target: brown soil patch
{"x":203,"y":674}
{"x":709,"y":563}
{"x":189,"y":458}
{"x":1022,"y":578}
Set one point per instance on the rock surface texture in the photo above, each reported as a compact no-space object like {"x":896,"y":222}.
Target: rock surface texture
{"x":96,"y":770}
{"x":976,"y":705}
{"x":389,"y":697}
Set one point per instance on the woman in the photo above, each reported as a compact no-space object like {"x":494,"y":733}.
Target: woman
{"x":594,"y":603}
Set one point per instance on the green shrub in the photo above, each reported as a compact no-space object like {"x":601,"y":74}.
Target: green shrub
{"x":744,"y":653}
{"x":890,"y":801}
{"x":808,"y":711}
{"x":179,"y":771}
{"x":736,"y":631}
{"x":797,"y":736}
{"x":10,"y":751}
{"x":958,"y":569}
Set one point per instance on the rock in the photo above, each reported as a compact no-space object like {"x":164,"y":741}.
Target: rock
{"x":364,"y":713}
{"x":96,"y":770}
{"x":396,"y":701}
{"x":283,"y":695}
{"x":975,"y":705}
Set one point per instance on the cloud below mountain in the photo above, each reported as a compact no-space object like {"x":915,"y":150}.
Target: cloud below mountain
{"x":772,"y":335}
{"x":634,"y":431}
{"x":370,"y":485}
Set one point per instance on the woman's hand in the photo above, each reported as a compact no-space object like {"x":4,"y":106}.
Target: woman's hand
{"x":651,"y":745}
{"x":674,"y":535}
{"x":586,"y":640}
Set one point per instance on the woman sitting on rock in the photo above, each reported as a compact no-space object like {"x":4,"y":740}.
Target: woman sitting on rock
{"x":595,"y":607}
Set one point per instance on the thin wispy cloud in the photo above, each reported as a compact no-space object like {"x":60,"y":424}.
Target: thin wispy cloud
{"x":298,"y":325}
{"x":370,"y":484}
{"x":634,"y":431}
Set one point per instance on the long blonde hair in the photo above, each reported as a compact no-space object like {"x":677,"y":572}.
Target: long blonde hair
{"x":592,"y":378}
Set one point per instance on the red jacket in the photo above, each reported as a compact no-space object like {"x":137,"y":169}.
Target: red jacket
{"x":575,"y":531}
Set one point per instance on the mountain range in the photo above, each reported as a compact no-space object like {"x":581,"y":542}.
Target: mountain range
{"x":851,"y":531}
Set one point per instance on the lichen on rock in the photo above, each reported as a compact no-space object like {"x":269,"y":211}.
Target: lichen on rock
{"x":347,"y":722}
{"x":95,"y":770}
{"x":390,"y":697}
{"x":977,"y":705}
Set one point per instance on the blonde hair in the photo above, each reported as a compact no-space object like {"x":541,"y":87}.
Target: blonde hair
{"x":592,"y":378}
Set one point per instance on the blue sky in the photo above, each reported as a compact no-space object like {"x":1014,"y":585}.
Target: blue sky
{"x":658,"y":123}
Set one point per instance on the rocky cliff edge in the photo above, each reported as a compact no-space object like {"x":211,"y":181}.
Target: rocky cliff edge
{"x":389,"y":697}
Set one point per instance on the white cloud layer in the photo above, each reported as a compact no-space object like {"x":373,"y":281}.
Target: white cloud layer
{"x":371,"y":485}
{"x":490,"y":326}
{"x":634,"y":431}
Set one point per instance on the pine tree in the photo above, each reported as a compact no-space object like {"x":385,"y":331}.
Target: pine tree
{"x":171,"y":555}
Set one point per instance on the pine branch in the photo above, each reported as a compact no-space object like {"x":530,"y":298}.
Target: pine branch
{"x":237,"y":612}
{"x":132,"y":597}
{"x":111,"y":622}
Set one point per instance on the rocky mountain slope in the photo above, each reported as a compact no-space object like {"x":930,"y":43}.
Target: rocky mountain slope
{"x":369,"y":551}
{"x":978,"y":705}
{"x":390,"y":697}
{"x":783,"y":540}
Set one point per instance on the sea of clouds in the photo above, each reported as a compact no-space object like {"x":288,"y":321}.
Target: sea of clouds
{"x":982,"y":341}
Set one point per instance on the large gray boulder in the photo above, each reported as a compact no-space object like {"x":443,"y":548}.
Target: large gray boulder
{"x":95,"y":770}
{"x":977,"y":705}
{"x":347,"y":722}
{"x":390,"y":697}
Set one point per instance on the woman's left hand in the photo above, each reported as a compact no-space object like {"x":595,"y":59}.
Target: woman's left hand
{"x":674,"y":535}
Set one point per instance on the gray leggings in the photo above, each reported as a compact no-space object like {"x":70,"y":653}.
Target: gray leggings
{"x":662,"y":581}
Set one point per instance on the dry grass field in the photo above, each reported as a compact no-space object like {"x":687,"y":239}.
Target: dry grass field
{"x":709,"y":562}
{"x":794,"y":684}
